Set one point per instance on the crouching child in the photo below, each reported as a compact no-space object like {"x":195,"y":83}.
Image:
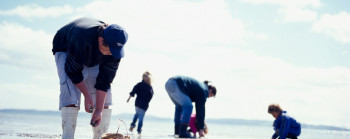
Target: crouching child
{"x":284,"y":125}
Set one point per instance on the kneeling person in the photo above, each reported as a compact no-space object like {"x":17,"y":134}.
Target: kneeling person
{"x":284,"y":125}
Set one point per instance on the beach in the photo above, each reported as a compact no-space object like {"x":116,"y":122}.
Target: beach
{"x":19,"y":124}
{"x":292,"y":53}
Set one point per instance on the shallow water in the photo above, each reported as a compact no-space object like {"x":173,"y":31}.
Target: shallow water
{"x":19,"y":125}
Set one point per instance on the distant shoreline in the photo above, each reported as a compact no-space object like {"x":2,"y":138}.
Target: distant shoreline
{"x":227,"y":121}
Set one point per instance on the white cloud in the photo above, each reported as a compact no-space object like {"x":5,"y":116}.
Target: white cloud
{"x":168,"y":21}
{"x":35,"y":11}
{"x":335,"y":26}
{"x":24,"y":48}
{"x":173,"y":22}
{"x":294,"y":3}
{"x":293,"y":11}
{"x":296,"y":14}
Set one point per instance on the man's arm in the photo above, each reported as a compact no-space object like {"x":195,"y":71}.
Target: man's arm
{"x":200,"y":116}
{"x":107,"y":72}
{"x":73,"y":68}
{"x":88,"y":102}
{"x":100,"y":101}
{"x":104,"y":79}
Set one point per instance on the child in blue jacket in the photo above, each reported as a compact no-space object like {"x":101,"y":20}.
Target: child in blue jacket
{"x":284,"y":125}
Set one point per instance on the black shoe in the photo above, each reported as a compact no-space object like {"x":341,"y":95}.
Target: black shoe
{"x":183,"y":131}
{"x":177,"y":128}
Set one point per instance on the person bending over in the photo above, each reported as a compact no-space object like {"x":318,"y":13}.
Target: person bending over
{"x":87,"y":53}
{"x":183,"y":91}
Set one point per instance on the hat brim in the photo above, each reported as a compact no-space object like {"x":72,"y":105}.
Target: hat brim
{"x":117,"y":52}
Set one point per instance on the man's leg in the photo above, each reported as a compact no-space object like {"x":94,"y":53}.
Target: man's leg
{"x":183,"y":103}
{"x":69,"y":121}
{"x":177,"y":118}
{"x":185,"y":119}
{"x":170,"y":88}
{"x":69,"y":102}
{"x":69,"y":112}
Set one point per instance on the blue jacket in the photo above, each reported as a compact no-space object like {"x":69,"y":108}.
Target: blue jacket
{"x":198,"y":93}
{"x":144,"y":94}
{"x":285,"y":125}
{"x":79,"y":40}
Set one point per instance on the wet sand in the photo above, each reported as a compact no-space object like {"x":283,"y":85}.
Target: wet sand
{"x":27,"y":135}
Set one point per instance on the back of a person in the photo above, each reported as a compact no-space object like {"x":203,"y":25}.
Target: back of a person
{"x":195,"y":89}
{"x":284,"y":125}
{"x":144,"y":95}
{"x":295,"y":127}
{"x":69,"y":32}
{"x":79,"y":38}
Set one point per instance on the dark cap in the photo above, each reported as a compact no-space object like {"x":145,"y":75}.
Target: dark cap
{"x":116,"y":37}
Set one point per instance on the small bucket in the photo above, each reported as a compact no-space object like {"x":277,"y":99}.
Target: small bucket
{"x":116,"y":135}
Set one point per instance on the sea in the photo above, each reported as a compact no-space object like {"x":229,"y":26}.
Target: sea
{"x":33,"y":124}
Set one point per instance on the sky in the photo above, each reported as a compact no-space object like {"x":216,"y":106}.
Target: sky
{"x":294,"y":53}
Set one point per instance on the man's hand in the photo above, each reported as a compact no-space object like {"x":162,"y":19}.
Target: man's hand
{"x":97,"y":115}
{"x":96,"y":118}
{"x":201,"y":133}
{"x":89,"y":103}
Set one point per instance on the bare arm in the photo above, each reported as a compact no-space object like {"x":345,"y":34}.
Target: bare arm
{"x":88,"y":102}
{"x":100,"y":101}
{"x":127,"y":101}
